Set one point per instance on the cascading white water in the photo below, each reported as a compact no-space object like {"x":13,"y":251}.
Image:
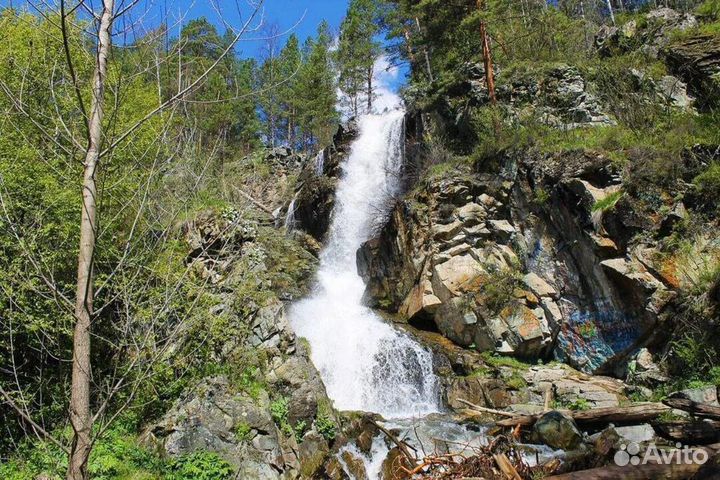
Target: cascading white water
{"x":365,"y":363}
{"x":290,"y":215}
{"x":320,"y":163}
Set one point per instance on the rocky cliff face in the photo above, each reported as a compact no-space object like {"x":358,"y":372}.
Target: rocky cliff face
{"x":519,"y":260}
{"x":560,"y":255}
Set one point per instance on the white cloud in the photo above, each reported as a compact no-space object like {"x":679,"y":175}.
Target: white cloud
{"x":385,"y":75}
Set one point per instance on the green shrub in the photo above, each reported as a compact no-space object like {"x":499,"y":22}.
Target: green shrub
{"x":299,"y":430}
{"x":279,"y":410}
{"x":709,"y":9}
{"x":499,"y":291}
{"x":199,"y":466}
{"x":116,"y":456}
{"x":708,"y":182}
{"x":250,"y":381}
{"x":540,"y":197}
{"x":326,"y":426}
{"x":579,"y":404}
{"x":243,"y":430}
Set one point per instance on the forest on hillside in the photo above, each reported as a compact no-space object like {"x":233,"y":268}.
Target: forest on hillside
{"x":117,"y":138}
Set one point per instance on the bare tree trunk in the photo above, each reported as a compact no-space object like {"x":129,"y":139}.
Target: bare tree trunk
{"x":80,"y":417}
{"x":487,"y":57}
{"x":612,"y":14}
{"x":408,"y":44}
{"x":426,"y":54}
{"x":370,"y":88}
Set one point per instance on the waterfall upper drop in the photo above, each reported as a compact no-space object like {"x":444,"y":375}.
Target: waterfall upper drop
{"x":365,"y":363}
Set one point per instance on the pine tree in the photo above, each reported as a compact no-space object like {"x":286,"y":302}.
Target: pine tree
{"x":269,"y":77}
{"x":288,"y":65}
{"x":357,"y":52}
{"x":317,"y":90}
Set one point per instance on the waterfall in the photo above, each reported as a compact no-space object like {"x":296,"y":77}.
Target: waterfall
{"x":320,"y":163}
{"x":366,"y":364}
{"x":290,"y":215}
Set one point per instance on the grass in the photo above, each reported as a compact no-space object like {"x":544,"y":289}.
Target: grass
{"x":498,"y":361}
{"x":708,"y":182}
{"x":607,"y":203}
{"x":116,"y":456}
{"x":709,"y":9}
{"x":516,"y":382}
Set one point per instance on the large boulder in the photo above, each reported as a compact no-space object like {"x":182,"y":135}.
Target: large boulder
{"x":557,"y":431}
{"x":696,"y":60}
{"x":314,"y":450}
{"x":212,"y":417}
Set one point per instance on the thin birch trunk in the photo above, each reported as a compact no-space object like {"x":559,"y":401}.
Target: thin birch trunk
{"x":80,"y":417}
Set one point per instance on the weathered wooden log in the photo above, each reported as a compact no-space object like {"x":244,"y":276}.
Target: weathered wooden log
{"x":503,"y":462}
{"x":648,"y":471}
{"x":632,"y":472}
{"x":637,"y":413}
{"x":699,"y":409}
{"x":695,"y":432}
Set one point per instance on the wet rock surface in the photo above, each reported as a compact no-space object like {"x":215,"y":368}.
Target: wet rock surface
{"x":495,"y":269}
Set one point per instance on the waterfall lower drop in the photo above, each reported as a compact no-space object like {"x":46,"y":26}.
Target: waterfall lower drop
{"x":366,"y":364}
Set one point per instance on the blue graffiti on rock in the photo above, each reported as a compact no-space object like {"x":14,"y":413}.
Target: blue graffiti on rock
{"x":590,"y":338}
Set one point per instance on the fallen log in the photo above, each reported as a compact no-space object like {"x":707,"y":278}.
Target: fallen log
{"x":487,"y":410}
{"x":648,"y":471}
{"x":632,"y":472}
{"x":696,"y":432}
{"x":698,"y":409}
{"x":637,"y":413}
{"x":503,"y":462}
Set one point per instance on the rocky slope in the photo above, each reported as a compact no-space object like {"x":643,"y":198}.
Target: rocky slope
{"x":539,"y":278}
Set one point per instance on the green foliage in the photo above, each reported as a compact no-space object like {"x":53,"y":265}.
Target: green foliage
{"x":298,"y":92}
{"x":709,"y":9}
{"x":326,"y":426}
{"x":316,"y":90}
{"x":250,"y":380}
{"x":223,"y":105}
{"x":357,"y":51}
{"x":608,"y":202}
{"x":540,"y":196}
{"x":579,"y":404}
{"x":498,"y":293}
{"x":243,"y":431}
{"x":279,"y":410}
{"x":708,"y":182}
{"x":299,"y":430}
{"x":199,"y":466}
{"x":498,"y":361}
{"x":116,"y":456}
{"x":516,"y":381}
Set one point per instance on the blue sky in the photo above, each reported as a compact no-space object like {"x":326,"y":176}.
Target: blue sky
{"x":284,"y":13}
{"x":299,"y":16}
